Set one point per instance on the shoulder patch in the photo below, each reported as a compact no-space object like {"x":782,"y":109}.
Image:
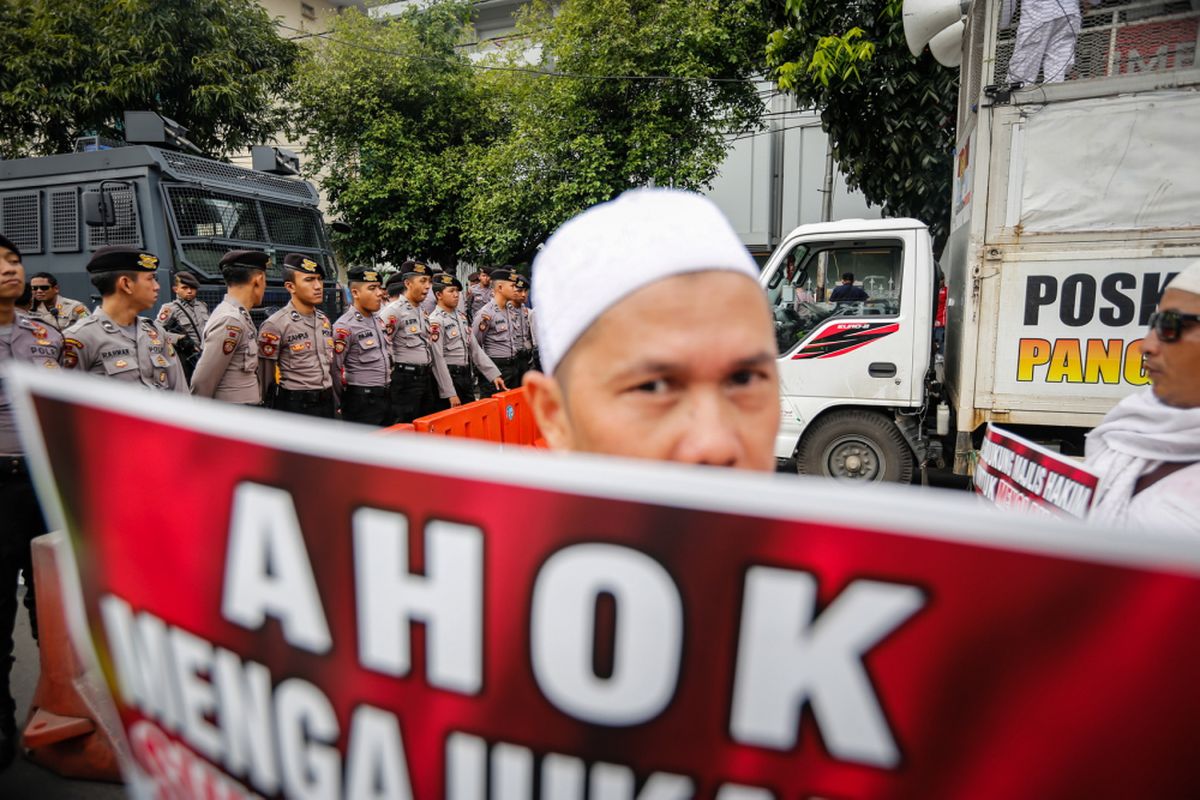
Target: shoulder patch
{"x":80,"y":310}
{"x":164,"y":315}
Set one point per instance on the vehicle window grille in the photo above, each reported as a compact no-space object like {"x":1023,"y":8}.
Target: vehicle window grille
{"x":205,"y":258}
{"x":1112,"y":37}
{"x":127,"y":230}
{"x":64,"y":221}
{"x":21,"y":220}
{"x":288,"y":225}
{"x":185,"y":166}
{"x":203,"y":212}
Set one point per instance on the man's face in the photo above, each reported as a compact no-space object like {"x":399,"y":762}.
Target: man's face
{"x":43,"y":292}
{"x":417,"y":288}
{"x":366,"y":296}
{"x":12,"y":275}
{"x":449,"y":297}
{"x":143,"y":290}
{"x":306,"y":287}
{"x":1174,"y":367}
{"x":661,"y":376}
{"x":506,"y":290}
{"x":485,"y":280}
{"x":520,"y":296}
{"x":185,"y":292}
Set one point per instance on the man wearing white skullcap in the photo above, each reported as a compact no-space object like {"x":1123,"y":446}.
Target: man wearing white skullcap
{"x":670,"y":353}
{"x":1147,"y":450}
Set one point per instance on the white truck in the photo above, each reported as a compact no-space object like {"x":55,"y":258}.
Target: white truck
{"x":1075,"y":201}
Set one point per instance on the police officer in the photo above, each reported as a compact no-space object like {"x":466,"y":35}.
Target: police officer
{"x":228,"y":366}
{"x":115,"y":341}
{"x":299,"y":339}
{"x":524,"y":321}
{"x":22,"y":338}
{"x":49,"y":306}
{"x":185,"y":318}
{"x":362,"y":355}
{"x":498,"y":329}
{"x":451,"y":333}
{"x":419,"y":375}
{"x":480,"y":294}
{"x":430,"y":301}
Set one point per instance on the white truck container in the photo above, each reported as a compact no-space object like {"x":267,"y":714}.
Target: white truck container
{"x":1074,"y":203}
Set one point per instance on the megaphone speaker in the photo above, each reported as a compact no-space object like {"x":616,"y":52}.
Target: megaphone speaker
{"x":947,"y":45}
{"x":924,"y":19}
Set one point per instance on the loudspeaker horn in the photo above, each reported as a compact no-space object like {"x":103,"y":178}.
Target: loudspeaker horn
{"x":924,"y":19}
{"x":947,"y":45}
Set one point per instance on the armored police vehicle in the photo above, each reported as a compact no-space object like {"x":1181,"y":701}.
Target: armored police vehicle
{"x":144,"y":192}
{"x":1076,"y":184}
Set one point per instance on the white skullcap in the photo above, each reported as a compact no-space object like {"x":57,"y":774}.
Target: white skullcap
{"x":613,"y":249}
{"x":1188,"y":280}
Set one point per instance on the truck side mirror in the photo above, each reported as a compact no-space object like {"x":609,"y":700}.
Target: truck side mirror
{"x":341,"y":227}
{"x":99,"y":211}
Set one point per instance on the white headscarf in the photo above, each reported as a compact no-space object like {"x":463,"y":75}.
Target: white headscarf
{"x":613,"y":249}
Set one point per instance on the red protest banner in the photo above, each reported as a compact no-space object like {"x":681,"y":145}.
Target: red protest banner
{"x":1015,"y":473}
{"x":283,"y":609}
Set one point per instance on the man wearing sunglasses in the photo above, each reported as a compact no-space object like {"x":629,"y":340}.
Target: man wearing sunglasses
{"x":1147,"y":450}
{"x":60,"y":312}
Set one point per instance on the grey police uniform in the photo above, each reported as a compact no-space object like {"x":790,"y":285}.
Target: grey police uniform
{"x":141,"y":354}
{"x":302,"y":345}
{"x":477,"y":297}
{"x":66,"y":312}
{"x":33,"y":342}
{"x":362,"y":368}
{"x":451,"y":333}
{"x":419,"y":375}
{"x":189,"y":317}
{"x":228,"y":366}
{"x":499,"y":332}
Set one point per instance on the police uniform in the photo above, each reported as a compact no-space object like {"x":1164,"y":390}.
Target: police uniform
{"x":362,"y":362}
{"x":139,"y":353}
{"x":477,"y":298}
{"x":524,"y":321}
{"x":228,"y":365}
{"x":185,"y":321}
{"x":302,"y":347}
{"x":419,"y":375}
{"x":66,"y":312}
{"x":500,"y":334}
{"x":450,"y":332}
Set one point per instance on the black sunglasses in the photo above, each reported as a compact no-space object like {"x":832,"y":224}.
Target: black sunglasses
{"x":41,"y":288}
{"x":1169,"y":324}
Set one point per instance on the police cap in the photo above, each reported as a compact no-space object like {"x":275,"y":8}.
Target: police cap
{"x":187,"y":279}
{"x":247,"y":259}
{"x":302,"y":263}
{"x":521,"y":283}
{"x":445,"y":281}
{"x":363,"y":275}
{"x":415,"y":268}
{"x":118,"y":258}
{"x":503,"y":274}
{"x":6,"y":242}
{"x":394,"y":280}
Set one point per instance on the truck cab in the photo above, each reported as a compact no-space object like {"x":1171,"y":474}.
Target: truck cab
{"x":853,"y":373}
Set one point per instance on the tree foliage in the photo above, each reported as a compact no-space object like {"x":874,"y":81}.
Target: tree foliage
{"x":72,"y":68}
{"x":423,"y":151}
{"x":890,"y":117}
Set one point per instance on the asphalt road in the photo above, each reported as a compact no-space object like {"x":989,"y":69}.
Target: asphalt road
{"x":24,"y":779}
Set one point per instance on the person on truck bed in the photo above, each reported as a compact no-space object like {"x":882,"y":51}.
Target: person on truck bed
{"x":670,"y":354}
{"x":1147,"y":450}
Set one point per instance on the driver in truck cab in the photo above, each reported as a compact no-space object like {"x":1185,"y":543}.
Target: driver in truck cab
{"x":1147,"y":450}
{"x":670,"y":354}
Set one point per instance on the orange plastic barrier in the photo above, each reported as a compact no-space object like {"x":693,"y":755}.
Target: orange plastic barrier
{"x":517,"y":425}
{"x":403,"y":427}
{"x":73,"y":727}
{"x":479,"y":420}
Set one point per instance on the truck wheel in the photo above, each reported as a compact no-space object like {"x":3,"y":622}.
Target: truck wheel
{"x":855,"y":445}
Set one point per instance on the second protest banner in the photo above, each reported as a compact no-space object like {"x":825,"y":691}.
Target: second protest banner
{"x":293,"y":608}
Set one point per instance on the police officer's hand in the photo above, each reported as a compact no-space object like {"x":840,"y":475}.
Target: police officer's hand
{"x":499,"y":384}
{"x":455,"y":402}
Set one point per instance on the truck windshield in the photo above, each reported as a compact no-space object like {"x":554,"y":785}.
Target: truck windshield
{"x":208,"y":223}
{"x":817,"y":282}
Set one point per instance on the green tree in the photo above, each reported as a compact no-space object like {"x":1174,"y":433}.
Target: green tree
{"x":644,"y":91}
{"x":391,"y":114}
{"x":889,"y":116}
{"x":72,"y":67}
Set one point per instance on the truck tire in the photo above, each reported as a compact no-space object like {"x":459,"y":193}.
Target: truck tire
{"x":855,"y":445}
